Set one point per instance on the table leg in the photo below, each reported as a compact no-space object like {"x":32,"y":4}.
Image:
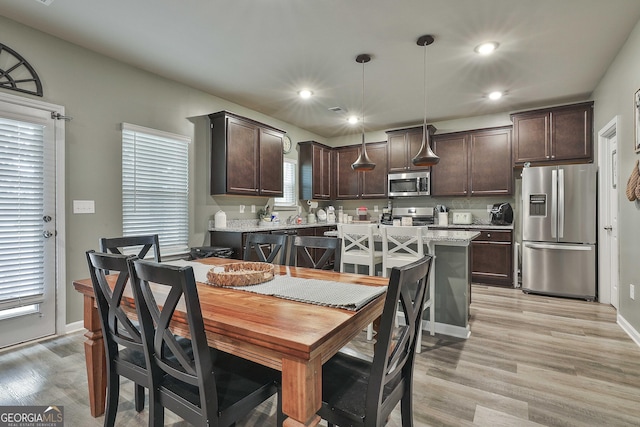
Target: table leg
{"x":301,"y":392}
{"x":95,"y":358}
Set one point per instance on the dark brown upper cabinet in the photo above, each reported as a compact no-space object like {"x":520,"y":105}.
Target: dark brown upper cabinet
{"x":315,"y":171}
{"x":246,"y":156}
{"x":402,"y":146}
{"x":473,"y":163}
{"x":361,"y":185}
{"x":554,"y":135}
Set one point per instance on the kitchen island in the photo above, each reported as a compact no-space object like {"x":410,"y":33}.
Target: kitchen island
{"x":451,"y":277}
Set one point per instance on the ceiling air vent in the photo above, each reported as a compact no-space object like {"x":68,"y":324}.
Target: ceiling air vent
{"x":45,"y":2}
{"x":337,"y":110}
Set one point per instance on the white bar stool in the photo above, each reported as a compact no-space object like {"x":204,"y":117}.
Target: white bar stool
{"x":402,"y":246}
{"x":358,"y":249}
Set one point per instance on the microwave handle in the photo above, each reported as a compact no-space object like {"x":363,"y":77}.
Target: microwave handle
{"x":417,"y":185}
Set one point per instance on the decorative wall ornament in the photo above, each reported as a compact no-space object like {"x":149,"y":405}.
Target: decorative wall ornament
{"x":17,"y":74}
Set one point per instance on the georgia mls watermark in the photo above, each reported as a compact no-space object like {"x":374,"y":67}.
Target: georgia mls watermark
{"x":31,"y":416}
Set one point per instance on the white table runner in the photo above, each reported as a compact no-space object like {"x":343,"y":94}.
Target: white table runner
{"x":349,"y":296}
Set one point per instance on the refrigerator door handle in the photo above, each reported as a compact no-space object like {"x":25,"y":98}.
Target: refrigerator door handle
{"x":558,"y":247}
{"x":561,"y":203}
{"x":554,"y":203}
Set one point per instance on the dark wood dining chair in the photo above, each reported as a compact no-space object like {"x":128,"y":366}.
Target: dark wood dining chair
{"x":315,"y":252}
{"x":204,"y":386}
{"x":277,"y":247}
{"x":361,"y":392}
{"x":117,"y":244}
{"x":123,"y":343}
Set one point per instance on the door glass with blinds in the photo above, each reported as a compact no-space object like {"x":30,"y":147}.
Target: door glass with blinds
{"x":27,"y":224}
{"x":155,"y":186}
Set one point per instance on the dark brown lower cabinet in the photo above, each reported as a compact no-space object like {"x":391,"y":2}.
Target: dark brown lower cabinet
{"x":492,"y":257}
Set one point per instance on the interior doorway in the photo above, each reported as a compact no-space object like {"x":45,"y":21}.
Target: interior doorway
{"x":608,"y":225}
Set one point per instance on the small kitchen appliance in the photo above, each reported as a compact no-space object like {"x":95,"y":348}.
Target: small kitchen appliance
{"x":409,"y":184}
{"x":501,"y":214}
{"x":462,"y":218}
{"x":419,"y":216}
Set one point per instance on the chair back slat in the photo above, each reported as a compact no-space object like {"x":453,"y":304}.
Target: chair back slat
{"x":117,"y":244}
{"x":356,"y":237}
{"x":277,"y":247}
{"x":303,"y":252}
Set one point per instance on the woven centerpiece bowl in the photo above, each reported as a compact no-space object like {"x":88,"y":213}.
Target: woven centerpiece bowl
{"x":241,"y":274}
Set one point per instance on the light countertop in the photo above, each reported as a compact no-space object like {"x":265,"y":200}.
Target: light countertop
{"x":251,"y":226}
{"x":448,"y":237}
{"x":473,"y":226}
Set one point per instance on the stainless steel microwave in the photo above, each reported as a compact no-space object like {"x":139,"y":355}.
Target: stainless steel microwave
{"x":409,"y":184}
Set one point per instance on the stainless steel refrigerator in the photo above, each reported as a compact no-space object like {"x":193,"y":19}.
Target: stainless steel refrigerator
{"x":559,"y":230}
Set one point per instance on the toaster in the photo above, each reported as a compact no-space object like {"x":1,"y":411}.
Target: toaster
{"x":462,"y":218}
{"x":501,"y":214}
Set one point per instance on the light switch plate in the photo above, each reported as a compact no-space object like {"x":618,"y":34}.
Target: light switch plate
{"x":84,"y":206}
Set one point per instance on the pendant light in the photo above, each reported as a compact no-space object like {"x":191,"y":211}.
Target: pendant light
{"x":425,"y":156}
{"x":363,"y":163}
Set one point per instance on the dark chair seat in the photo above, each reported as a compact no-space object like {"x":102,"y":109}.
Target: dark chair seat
{"x":246,"y":379}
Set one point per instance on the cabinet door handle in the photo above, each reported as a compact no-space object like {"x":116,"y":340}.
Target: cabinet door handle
{"x":488,"y":234}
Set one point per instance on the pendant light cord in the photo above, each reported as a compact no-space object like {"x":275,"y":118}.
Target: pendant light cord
{"x":363,"y":62}
{"x":424,"y":124}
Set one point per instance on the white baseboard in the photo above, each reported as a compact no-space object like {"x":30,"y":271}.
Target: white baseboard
{"x":73,"y":327}
{"x":626,"y":326}
{"x":445,"y":329}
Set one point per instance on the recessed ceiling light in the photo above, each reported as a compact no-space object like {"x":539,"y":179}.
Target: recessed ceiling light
{"x":486,"y":48}
{"x":495,"y":95}
{"x":353,"y":119}
{"x":305,"y":93}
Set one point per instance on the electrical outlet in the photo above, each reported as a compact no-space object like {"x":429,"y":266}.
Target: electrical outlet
{"x":241,"y":208}
{"x":375,"y":208}
{"x":632,"y":292}
{"x":253,"y":208}
{"x":489,"y":207}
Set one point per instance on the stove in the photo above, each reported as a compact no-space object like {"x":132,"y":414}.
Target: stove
{"x":421,"y":216}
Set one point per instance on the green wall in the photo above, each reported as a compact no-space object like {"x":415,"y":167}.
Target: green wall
{"x":614,"y":97}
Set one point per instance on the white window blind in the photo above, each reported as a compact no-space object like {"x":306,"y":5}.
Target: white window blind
{"x":155,"y":186}
{"x":289,"y":184}
{"x":21,"y":212}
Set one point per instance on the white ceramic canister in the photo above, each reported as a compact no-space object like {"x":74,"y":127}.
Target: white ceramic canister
{"x":221,"y":219}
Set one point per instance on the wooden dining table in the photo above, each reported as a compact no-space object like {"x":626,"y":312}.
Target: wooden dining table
{"x":293,"y":337}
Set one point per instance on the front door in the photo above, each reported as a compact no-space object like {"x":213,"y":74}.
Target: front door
{"x":27,"y":223}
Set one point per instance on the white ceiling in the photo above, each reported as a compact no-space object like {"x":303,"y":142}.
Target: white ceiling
{"x":260,"y":53}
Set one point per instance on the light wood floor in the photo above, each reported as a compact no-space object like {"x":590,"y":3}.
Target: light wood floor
{"x":531,"y":360}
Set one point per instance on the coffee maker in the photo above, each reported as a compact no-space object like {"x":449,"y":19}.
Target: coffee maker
{"x":501,"y":214}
